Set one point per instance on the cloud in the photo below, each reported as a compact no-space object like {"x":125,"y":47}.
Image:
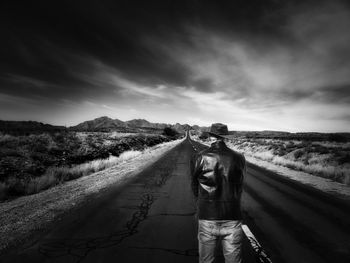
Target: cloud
{"x":271,"y":65}
{"x":257,"y":73}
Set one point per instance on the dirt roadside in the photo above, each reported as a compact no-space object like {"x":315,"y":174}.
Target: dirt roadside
{"x":27,"y":215}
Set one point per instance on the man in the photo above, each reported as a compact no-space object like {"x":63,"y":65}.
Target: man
{"x":217,"y":178}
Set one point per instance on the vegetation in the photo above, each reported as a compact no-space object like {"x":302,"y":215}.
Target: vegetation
{"x":170,"y":132}
{"x":329,"y":159}
{"x":29,"y":164}
{"x":300,"y":136}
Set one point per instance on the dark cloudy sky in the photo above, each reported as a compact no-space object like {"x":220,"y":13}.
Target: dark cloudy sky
{"x":255,"y":65}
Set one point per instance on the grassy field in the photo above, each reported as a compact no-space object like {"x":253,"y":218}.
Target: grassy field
{"x":29,"y":164}
{"x":329,"y":159}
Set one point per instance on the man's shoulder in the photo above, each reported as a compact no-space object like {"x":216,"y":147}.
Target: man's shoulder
{"x":238,"y":158}
{"x":204,"y":152}
{"x":195,"y":156}
{"x":236,"y":154}
{"x":227,"y":151}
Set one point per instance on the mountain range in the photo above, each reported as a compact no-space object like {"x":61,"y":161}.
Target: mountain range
{"x":28,"y":127}
{"x":136,"y":125}
{"x":102,"y":124}
{"x":106,"y":124}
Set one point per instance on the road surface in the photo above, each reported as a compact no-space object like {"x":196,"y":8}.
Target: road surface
{"x":152,"y":219}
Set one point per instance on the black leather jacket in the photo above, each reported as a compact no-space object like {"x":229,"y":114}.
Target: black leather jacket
{"x":217,"y":180}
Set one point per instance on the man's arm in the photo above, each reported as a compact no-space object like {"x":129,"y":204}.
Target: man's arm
{"x":194,"y":167}
{"x":244,"y":169}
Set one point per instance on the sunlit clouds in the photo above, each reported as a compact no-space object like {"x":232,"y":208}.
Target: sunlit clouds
{"x":286,"y":69}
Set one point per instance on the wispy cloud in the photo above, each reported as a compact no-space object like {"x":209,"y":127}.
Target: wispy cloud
{"x":275,"y":65}
{"x":295,"y":83}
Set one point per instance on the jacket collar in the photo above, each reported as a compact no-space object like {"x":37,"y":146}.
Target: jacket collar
{"x":219,"y":144}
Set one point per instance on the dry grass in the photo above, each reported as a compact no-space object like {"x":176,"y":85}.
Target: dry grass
{"x":30,"y":156}
{"x":20,"y":217}
{"x":324,"y":159}
{"x":70,"y":173}
{"x":57,"y":175}
{"x":29,"y":164}
{"x":2,"y":191}
{"x":41,"y":183}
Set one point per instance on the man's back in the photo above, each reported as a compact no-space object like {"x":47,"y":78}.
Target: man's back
{"x":217,"y":177}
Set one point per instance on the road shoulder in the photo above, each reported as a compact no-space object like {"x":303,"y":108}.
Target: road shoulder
{"x":28,"y":216}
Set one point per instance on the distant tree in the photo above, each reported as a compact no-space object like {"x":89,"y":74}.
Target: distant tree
{"x":170,"y":132}
{"x":204,"y":136}
{"x":337,"y":137}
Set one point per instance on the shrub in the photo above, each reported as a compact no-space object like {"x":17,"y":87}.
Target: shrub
{"x":9,"y":141}
{"x":344,"y":159}
{"x":40,"y":143}
{"x":204,"y":136}
{"x":29,"y":164}
{"x":298,"y":154}
{"x":40,"y":183}
{"x":280,"y":152}
{"x":347,"y":178}
{"x":3,"y":191}
{"x":15,"y":186}
{"x":337,"y":138}
{"x":9,"y":152}
{"x":290,"y":144}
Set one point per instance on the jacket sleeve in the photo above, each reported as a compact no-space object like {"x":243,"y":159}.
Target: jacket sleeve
{"x":244,"y":169}
{"x":194,"y":167}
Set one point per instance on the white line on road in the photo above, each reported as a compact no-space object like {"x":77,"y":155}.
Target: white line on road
{"x":258,"y":249}
{"x":261,"y":254}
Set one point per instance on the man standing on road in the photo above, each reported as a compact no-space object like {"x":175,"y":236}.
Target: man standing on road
{"x":217,"y":178}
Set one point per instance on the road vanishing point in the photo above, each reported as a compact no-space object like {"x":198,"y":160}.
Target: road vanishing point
{"x":152,"y":218}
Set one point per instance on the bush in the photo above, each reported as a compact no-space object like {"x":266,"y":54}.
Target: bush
{"x":29,"y":164}
{"x":325,"y":159}
{"x":344,"y":159}
{"x":337,"y":138}
{"x":3,"y":191}
{"x":204,"y":136}
{"x":298,"y":154}
{"x":4,"y":152}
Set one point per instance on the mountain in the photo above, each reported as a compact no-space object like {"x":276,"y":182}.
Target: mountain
{"x":135,"y":125}
{"x":28,"y":127}
{"x":99,"y":124}
{"x":181,"y":128}
{"x":106,"y":124}
{"x":141,"y":123}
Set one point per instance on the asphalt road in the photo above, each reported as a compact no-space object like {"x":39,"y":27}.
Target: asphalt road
{"x":294,"y":222}
{"x":152,"y":219}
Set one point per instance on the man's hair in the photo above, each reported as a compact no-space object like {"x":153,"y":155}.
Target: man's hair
{"x":217,"y":136}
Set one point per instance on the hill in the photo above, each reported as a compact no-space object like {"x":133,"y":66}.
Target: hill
{"x":99,"y":124}
{"x":28,"y":127}
{"x":105,"y":124}
{"x":282,"y":135}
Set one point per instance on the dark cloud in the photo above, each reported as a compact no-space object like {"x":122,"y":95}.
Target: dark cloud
{"x":112,"y":32}
{"x":204,"y":84}
{"x":327,"y":94}
{"x":259,"y":55}
{"x":335,"y":94}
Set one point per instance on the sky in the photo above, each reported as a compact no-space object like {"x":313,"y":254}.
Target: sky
{"x":253,"y":65}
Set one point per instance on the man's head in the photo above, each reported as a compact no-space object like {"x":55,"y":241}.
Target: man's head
{"x":212,"y":139}
{"x":215,"y":137}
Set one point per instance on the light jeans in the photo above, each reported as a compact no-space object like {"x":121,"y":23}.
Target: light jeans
{"x":210,"y":232}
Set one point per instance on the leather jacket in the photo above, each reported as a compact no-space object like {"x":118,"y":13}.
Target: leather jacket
{"x":217,"y":180}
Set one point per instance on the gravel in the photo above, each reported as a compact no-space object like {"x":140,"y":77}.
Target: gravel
{"x":23,"y":216}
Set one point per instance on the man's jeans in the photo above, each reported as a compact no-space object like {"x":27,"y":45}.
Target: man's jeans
{"x":228,"y":231}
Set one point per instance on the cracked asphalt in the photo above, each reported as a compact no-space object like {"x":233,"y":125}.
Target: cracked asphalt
{"x":151,"y":218}
{"x":148,"y":219}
